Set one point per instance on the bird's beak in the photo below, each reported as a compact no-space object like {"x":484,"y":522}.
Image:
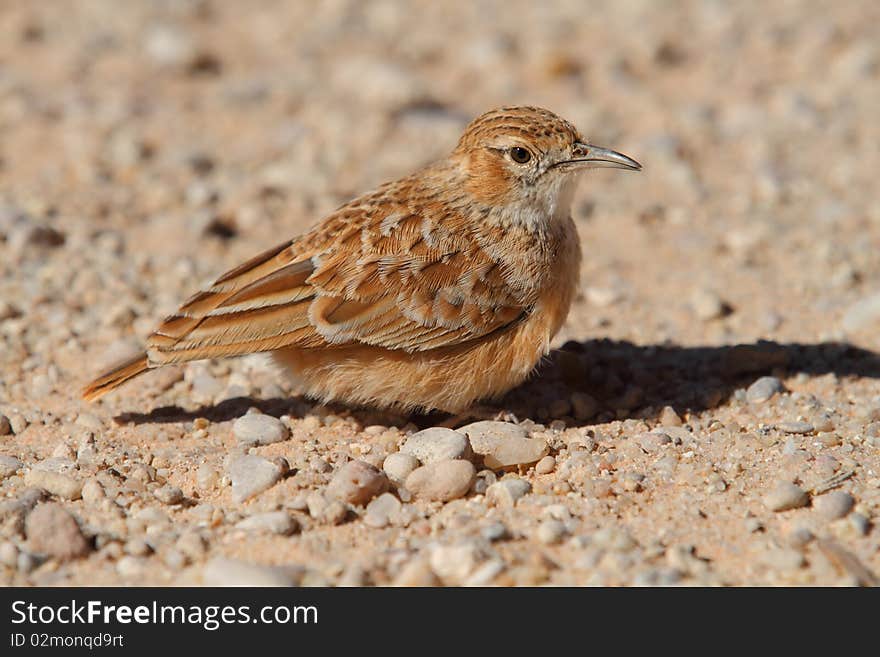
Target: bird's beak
{"x":587,"y":156}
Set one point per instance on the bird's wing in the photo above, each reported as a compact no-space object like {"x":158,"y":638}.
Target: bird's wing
{"x":388,"y":278}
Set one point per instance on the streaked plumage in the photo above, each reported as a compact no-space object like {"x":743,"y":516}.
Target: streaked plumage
{"x":431,"y":292}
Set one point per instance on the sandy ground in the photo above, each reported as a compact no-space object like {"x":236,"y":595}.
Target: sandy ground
{"x":146,"y":147}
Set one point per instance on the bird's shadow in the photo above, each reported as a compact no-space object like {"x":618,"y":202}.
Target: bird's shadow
{"x":598,"y":380}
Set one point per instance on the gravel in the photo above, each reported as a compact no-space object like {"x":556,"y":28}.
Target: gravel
{"x":270,"y":522}
{"x":550,"y":532}
{"x":508,"y":491}
{"x":834,"y":505}
{"x":764,"y":388}
{"x":503,"y":445}
{"x":437,"y":444}
{"x":545,"y":466}
{"x":55,"y":483}
{"x":53,"y":531}
{"x":169,"y":494}
{"x":454,"y":563}
{"x":9,"y":465}
{"x":357,"y":482}
{"x":442,"y":480}
{"x":222,"y":571}
{"x":398,"y":466}
{"x":786,"y":496}
{"x":707,"y":305}
{"x":653,"y":441}
{"x":795,"y":427}
{"x":382,"y":510}
{"x":416,"y":572}
{"x":251,"y":475}
{"x":258,"y":429}
{"x":232,"y":149}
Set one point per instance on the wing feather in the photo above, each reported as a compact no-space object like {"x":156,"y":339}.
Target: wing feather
{"x":375,"y":276}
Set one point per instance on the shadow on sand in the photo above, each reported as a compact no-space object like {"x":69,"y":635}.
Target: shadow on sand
{"x":624,"y":380}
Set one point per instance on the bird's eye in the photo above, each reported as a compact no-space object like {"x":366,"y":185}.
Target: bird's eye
{"x":520,"y":155}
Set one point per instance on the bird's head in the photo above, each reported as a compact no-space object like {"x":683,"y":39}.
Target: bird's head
{"x":528,"y":158}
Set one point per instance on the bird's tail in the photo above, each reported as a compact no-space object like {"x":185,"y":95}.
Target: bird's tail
{"x":115,"y":377}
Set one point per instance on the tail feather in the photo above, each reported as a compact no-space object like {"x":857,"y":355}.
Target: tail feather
{"x":115,"y":377}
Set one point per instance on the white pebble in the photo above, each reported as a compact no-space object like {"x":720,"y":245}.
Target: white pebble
{"x":398,"y":466}
{"x":507,"y":492}
{"x":550,"y":532}
{"x":251,"y":475}
{"x":786,"y":496}
{"x":502,"y":444}
{"x":437,"y":444}
{"x":61,"y":485}
{"x":258,"y":429}
{"x":834,"y":505}
{"x":357,"y":482}
{"x":271,"y":522}
{"x":546,"y":465}
{"x":221,"y":571}
{"x":441,"y":481}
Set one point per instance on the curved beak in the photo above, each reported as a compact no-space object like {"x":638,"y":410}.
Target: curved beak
{"x":587,"y":156}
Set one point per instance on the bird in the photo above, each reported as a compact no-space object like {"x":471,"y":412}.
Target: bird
{"x":431,"y":293}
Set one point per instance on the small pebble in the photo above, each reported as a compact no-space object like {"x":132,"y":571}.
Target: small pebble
{"x":8,"y":554}
{"x":192,"y":545}
{"x":381,"y":510}
{"x":55,"y":483}
{"x":453,"y":563}
{"x":507,"y":492}
{"x":271,"y":522}
{"x":669,"y":418}
{"x":550,"y":532}
{"x":251,"y":475}
{"x":357,"y":482}
{"x":834,"y":505}
{"x":9,"y":465}
{"x":502,"y":444}
{"x":764,"y":388}
{"x":222,"y":571}
{"x":437,"y":444}
{"x":51,"y":530}
{"x":441,"y":481}
{"x":800,"y":537}
{"x":795,"y":427}
{"x":786,"y":496}
{"x":495,"y":531}
{"x":207,"y":476}
{"x":860,"y":523}
{"x":5,"y":426}
{"x":93,"y":492}
{"x":398,"y":466}
{"x":707,"y":305}
{"x":784,"y":559}
{"x":485,"y":573}
{"x":546,"y":465}
{"x":169,"y":494}
{"x":258,"y":429}
{"x":652,"y":441}
{"x":416,"y":572}
{"x":335,"y":513}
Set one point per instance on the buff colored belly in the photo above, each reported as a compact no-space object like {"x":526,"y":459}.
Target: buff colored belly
{"x":449,"y":382}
